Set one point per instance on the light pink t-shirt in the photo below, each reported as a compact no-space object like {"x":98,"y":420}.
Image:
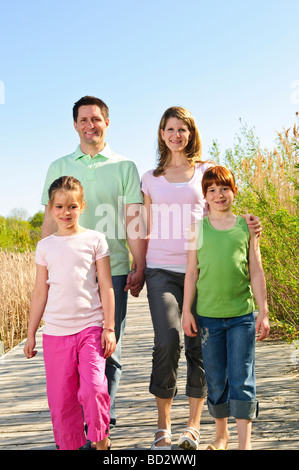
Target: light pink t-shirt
{"x":73,"y":298}
{"x":174,"y":207}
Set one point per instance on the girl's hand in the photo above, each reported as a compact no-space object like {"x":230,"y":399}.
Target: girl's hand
{"x":108,"y":342}
{"x":189,"y":324}
{"x":29,"y":350}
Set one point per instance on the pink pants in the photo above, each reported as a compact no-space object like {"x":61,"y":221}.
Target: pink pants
{"x":75,"y":373}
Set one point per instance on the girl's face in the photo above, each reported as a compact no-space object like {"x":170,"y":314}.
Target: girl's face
{"x":66,"y":209}
{"x":176,"y":134}
{"x":219,"y":198}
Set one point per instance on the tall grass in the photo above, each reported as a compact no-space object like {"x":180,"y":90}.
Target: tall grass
{"x":17,"y":275}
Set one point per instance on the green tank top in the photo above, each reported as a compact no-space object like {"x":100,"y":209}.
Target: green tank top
{"x":223,"y":284}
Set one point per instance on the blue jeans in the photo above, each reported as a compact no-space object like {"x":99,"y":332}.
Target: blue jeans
{"x":228,"y":350}
{"x":113,"y":363}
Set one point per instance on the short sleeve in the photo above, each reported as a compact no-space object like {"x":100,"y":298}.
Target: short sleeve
{"x":101,"y":249}
{"x":39,"y":255}
{"x":145,"y":183}
{"x":131,"y":188}
{"x":52,"y":175}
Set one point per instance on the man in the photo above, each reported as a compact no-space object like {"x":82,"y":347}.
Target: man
{"x":113,"y":199}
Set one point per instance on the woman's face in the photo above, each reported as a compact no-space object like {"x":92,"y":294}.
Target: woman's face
{"x":176,"y":134}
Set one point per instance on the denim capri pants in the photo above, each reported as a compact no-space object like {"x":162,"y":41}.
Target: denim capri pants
{"x":228,"y":348}
{"x":165,"y":290}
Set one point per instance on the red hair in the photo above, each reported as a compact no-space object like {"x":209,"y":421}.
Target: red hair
{"x":220,"y":176}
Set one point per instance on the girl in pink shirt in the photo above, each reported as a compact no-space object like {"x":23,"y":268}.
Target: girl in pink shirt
{"x":78,"y":332}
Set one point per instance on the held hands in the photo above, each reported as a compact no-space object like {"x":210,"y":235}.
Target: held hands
{"x":108,"y":342}
{"x":135,"y":282}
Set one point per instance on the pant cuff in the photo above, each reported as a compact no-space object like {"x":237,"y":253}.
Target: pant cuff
{"x":162,"y":392}
{"x":244,"y":409}
{"x":195,"y":392}
{"x":236,"y":408}
{"x":219,"y":411}
{"x":73,"y":444}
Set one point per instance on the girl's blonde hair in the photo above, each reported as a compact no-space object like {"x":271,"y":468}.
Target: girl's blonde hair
{"x":66,"y":183}
{"x":194,"y":147}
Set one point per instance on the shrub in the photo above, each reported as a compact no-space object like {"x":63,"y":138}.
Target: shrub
{"x":20,"y":235}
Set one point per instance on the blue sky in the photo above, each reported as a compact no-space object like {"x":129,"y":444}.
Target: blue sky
{"x":224,"y":61}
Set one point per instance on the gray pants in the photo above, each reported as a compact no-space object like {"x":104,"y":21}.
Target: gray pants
{"x":165,"y":290}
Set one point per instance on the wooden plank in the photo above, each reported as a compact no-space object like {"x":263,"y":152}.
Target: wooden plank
{"x":25,"y":419}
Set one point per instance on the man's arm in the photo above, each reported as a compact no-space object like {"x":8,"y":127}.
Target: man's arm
{"x":49,"y":226}
{"x":136,"y":237}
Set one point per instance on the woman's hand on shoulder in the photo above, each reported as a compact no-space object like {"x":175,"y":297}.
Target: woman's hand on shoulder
{"x":254,"y":223}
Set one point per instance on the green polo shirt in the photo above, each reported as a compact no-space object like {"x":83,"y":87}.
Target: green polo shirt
{"x":109,"y":181}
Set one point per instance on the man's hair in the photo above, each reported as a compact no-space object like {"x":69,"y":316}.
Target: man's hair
{"x":90,"y":100}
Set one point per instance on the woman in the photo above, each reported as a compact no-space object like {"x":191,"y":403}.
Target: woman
{"x":172,"y":199}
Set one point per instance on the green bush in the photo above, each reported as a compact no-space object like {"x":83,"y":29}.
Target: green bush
{"x":20,"y":235}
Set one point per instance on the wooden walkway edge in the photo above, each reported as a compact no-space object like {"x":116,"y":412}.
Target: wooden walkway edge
{"x":25,"y":422}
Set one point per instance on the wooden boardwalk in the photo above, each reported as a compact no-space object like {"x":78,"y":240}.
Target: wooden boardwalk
{"x":25,"y":420}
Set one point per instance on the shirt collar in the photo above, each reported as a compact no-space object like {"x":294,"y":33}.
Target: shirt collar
{"x":106,"y":152}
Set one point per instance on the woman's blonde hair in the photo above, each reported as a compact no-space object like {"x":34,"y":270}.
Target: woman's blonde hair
{"x":193,"y":149}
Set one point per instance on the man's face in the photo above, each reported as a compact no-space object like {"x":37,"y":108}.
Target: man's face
{"x":91,"y":126}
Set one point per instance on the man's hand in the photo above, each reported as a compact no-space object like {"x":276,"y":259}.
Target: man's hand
{"x":135,"y":282}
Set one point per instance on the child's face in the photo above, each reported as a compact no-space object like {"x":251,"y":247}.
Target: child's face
{"x":66,"y":209}
{"x":219,"y":198}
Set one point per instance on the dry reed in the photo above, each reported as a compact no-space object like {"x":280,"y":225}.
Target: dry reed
{"x":275,"y":167}
{"x":17,"y":275}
